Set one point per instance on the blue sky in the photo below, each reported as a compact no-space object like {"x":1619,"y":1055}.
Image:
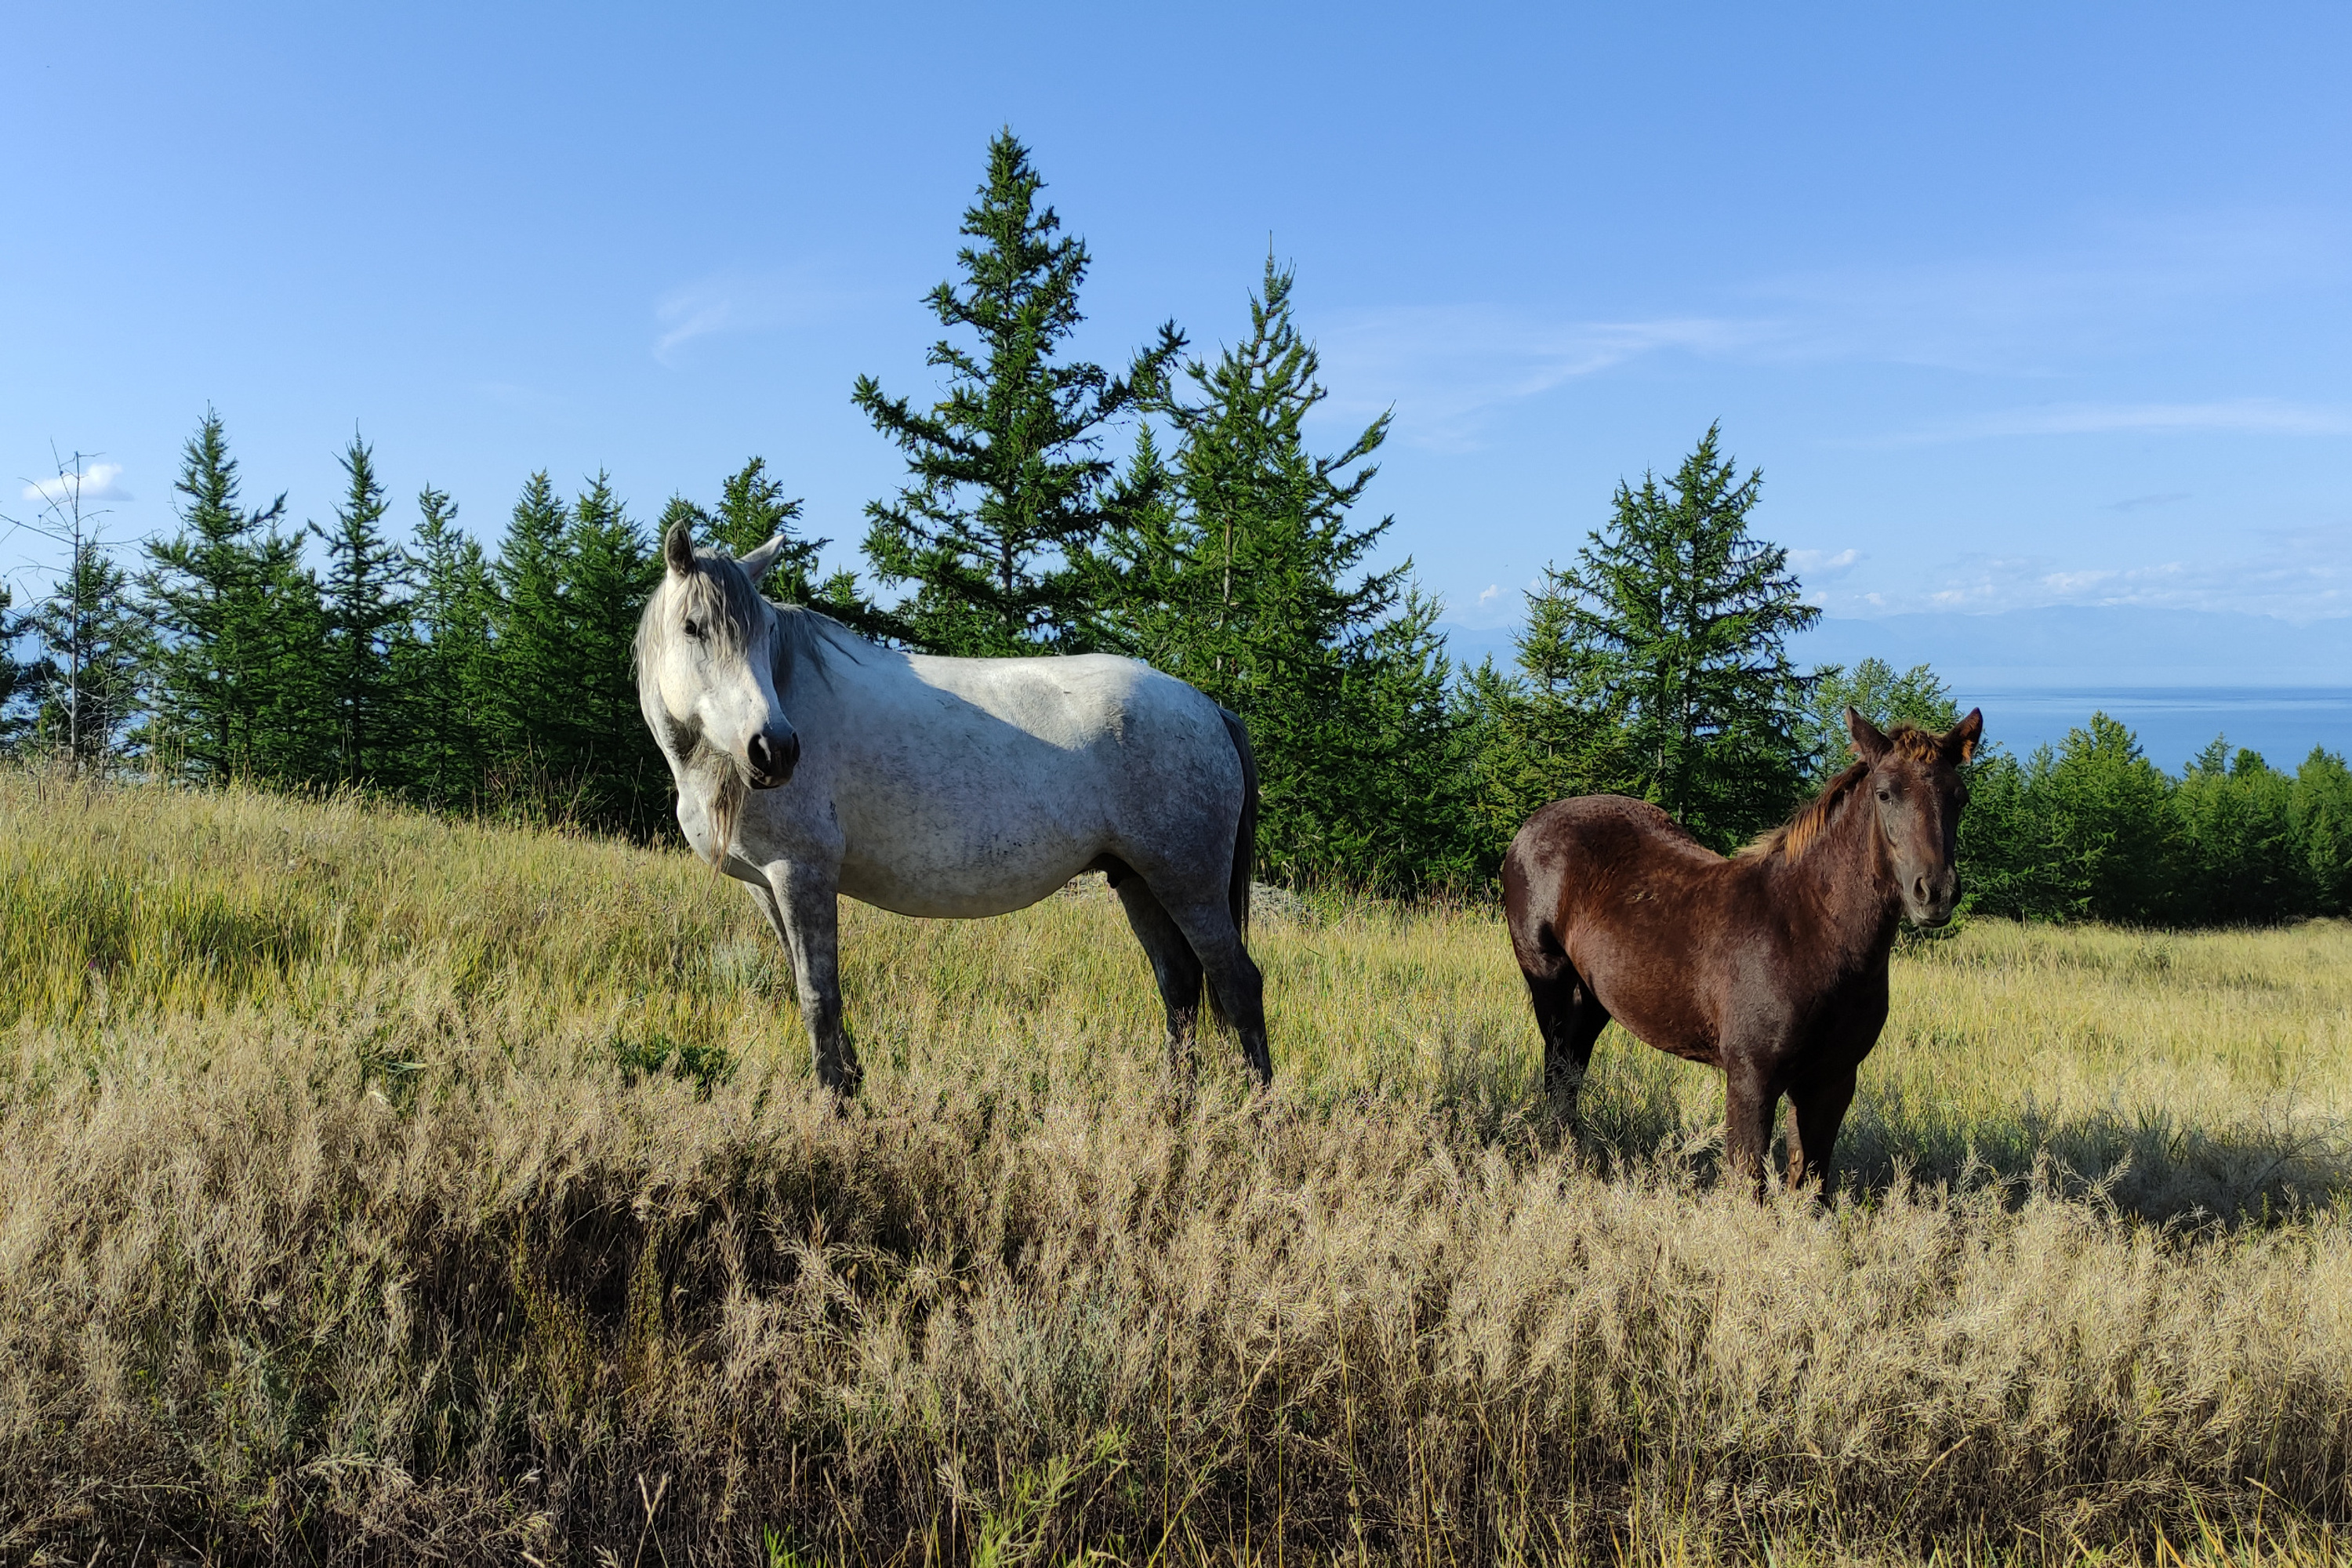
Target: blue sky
{"x":2015,"y":305}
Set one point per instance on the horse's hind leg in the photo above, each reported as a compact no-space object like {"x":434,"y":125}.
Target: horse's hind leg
{"x":1208,"y":926}
{"x":1569,"y":1018}
{"x":1173,"y":964}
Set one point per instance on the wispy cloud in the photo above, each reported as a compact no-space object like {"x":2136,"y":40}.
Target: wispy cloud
{"x":1442,"y":366}
{"x":741,"y":303}
{"x":2141,"y":503}
{"x":2296,"y":573}
{"x":2034,"y":313}
{"x":99,"y":482}
{"x":2257,"y":416}
{"x":1825,"y":564}
{"x":1446,"y":368}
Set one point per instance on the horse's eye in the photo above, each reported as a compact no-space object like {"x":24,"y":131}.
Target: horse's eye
{"x":694,"y":629}
{"x":1886,"y":793}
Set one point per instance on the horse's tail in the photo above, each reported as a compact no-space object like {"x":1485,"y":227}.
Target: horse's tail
{"x":1245,"y":841}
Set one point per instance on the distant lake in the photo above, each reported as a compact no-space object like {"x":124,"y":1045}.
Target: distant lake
{"x":2175,"y":723}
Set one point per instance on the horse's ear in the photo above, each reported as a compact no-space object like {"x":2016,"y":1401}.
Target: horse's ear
{"x":678,"y":549}
{"x":755,"y":565}
{"x":1870,"y":743}
{"x":1960,"y":743}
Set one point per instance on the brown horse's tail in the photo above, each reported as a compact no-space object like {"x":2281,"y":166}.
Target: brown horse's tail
{"x":1245,"y":844}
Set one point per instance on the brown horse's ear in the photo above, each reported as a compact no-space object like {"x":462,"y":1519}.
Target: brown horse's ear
{"x":1961,"y":744}
{"x":678,"y":549}
{"x":1869,"y":742}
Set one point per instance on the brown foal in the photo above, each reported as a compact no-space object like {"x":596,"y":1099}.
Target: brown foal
{"x":1770,"y":965}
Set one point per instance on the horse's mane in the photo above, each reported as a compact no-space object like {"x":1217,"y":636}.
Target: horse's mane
{"x":721,"y":593}
{"x":1797,"y":835}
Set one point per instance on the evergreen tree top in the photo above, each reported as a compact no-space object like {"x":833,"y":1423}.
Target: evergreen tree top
{"x":1006,"y":482}
{"x":208,"y":479}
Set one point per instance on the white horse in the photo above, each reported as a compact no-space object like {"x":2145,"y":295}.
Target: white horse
{"x":812,"y":763}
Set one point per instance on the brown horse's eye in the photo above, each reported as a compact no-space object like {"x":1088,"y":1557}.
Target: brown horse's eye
{"x":1886,"y":793}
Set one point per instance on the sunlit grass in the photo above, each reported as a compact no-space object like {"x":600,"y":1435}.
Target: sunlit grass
{"x":372,"y":1184}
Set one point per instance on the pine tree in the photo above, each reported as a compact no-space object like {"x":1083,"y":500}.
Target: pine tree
{"x":95,"y":646}
{"x":444,"y":665}
{"x":1916,"y":697}
{"x":1535,"y":736}
{"x":534,"y":683}
{"x":1008,"y":486}
{"x":1674,"y":622}
{"x":228,"y":594}
{"x":751,"y":510}
{"x":603,"y":743}
{"x":1237,"y":567}
{"x":365,"y":613}
{"x":19,"y":680}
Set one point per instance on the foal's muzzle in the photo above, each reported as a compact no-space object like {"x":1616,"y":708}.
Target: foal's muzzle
{"x":772,"y":758}
{"x":1931,"y":900}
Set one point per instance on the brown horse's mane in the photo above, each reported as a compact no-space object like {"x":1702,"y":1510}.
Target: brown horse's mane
{"x":1797,"y":835}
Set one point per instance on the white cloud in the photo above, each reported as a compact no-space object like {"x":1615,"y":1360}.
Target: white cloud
{"x":1492,"y":592}
{"x":99,"y":482}
{"x":1820,"y":563}
{"x":2298,"y":574}
{"x":2019,"y":313}
{"x":739,"y":302}
{"x":2254,"y":415}
{"x":1442,"y":366}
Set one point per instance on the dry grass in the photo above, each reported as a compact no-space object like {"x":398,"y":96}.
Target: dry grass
{"x":380,"y":1189}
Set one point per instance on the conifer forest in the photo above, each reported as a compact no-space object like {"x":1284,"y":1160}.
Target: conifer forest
{"x":1173,"y":507}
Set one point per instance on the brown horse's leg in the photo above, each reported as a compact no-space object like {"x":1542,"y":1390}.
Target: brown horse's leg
{"x":1569,"y":1018}
{"x":1820,"y":1108}
{"x":1750,"y":1105}
{"x":1172,"y":964}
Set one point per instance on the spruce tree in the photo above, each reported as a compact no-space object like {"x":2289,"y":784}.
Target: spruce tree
{"x":1008,"y":486}
{"x":533,"y":657}
{"x":19,"y":680}
{"x":602,"y":744}
{"x":445,"y":664}
{"x":752,"y":509}
{"x":95,"y":646}
{"x":227,"y":595}
{"x":1674,"y":622}
{"x":365,"y":612}
{"x":1536,"y":736}
{"x":1872,"y":688}
{"x":1236,"y":566}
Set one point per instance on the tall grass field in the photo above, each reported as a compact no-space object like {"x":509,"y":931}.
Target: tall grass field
{"x":379,"y":1188}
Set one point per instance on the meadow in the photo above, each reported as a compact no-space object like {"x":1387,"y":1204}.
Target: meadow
{"x":377,"y":1188}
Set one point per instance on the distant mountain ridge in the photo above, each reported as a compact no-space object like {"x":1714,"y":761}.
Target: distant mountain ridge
{"x":2063,"y":646}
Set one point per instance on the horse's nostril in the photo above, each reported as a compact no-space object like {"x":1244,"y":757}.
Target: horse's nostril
{"x":771,"y":760}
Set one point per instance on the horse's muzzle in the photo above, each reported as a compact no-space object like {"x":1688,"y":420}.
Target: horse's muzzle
{"x":1931,"y":900}
{"x":772,"y":759}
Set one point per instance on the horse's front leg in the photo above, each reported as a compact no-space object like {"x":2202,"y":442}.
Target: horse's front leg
{"x":1750,"y":1102}
{"x":1820,"y":1110}
{"x":807,"y":911}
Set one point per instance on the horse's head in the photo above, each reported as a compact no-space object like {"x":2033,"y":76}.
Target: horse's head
{"x":1915,"y":786}
{"x":706,"y":652}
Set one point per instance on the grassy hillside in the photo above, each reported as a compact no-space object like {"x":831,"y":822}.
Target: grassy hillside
{"x":374,"y":1188}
